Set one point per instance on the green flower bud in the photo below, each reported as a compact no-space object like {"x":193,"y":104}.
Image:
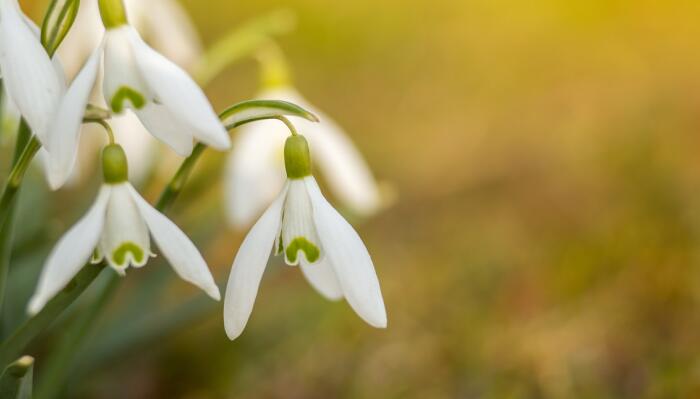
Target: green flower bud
{"x":113,"y":13}
{"x":297,"y":160}
{"x":114,"y":165}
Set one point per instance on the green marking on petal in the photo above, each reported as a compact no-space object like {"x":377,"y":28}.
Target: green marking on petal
{"x":302,"y":244}
{"x":119,"y":255}
{"x":127,"y":93}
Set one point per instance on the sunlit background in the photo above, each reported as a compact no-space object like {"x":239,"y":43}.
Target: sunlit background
{"x":542,"y":241}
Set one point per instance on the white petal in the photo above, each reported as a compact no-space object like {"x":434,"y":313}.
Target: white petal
{"x":64,"y":132}
{"x":121,"y":71}
{"x":71,"y":253}
{"x":248,"y":268}
{"x":299,"y":238}
{"x":161,"y":123}
{"x":176,"y":90}
{"x":339,"y":161}
{"x":177,"y":248}
{"x":27,"y":71}
{"x":125,"y":231}
{"x":255,"y":171}
{"x":346,"y":252}
{"x":322,"y":277}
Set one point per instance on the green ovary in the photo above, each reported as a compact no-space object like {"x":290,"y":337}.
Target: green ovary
{"x":119,"y":255}
{"x":302,"y":244}
{"x":126,"y":93}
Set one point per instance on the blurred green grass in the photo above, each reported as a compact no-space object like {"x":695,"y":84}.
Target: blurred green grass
{"x":545,"y":242}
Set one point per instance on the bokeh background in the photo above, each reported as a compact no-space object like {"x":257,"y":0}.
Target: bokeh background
{"x":544,"y":237}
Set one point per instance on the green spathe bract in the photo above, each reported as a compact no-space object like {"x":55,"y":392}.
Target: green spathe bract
{"x":297,"y":160}
{"x":113,"y":13}
{"x":114,"y":165}
{"x":302,"y":244}
{"x":57,"y":22}
{"x":119,"y":255}
{"x":126,"y":93}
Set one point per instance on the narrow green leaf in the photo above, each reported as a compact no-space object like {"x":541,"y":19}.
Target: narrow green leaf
{"x":27,"y":332}
{"x":16,"y":379}
{"x":57,"y":23}
{"x":256,"y":110}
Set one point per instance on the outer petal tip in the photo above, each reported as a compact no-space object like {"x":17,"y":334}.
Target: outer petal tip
{"x":35,"y":306}
{"x":214,"y":293}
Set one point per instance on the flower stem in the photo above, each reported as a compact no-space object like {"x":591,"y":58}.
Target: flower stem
{"x":173,"y":189}
{"x":17,"y":173}
{"x":8,"y":206}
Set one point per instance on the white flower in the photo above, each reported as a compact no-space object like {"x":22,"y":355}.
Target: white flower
{"x":34,"y":83}
{"x":169,"y":30}
{"x":303,"y":227}
{"x":165,"y":24}
{"x":255,"y":170}
{"x":166,"y":100}
{"x":116,"y":229}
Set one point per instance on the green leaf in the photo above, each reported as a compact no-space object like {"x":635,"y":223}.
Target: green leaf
{"x":30,"y":329}
{"x":16,"y":380}
{"x":256,"y":110}
{"x":57,"y":23}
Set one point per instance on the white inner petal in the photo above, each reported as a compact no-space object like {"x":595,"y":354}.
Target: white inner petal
{"x":124,"y":86}
{"x":125,"y":240}
{"x":298,"y":234}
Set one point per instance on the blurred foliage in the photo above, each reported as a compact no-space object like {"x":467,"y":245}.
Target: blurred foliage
{"x":546,"y":239}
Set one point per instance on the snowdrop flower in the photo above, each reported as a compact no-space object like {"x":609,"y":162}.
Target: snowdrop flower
{"x":34,"y":83}
{"x":165,"y":24}
{"x":169,"y":30}
{"x":166,"y":100}
{"x":116,"y":229}
{"x":304,"y":228}
{"x":255,"y":168}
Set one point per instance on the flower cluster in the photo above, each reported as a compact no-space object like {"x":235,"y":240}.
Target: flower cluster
{"x":270,"y":166}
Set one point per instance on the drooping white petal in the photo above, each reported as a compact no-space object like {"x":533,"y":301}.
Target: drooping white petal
{"x":28,"y":73}
{"x":346,"y":252}
{"x":125,"y":239}
{"x":165,"y":126}
{"x":71,"y":253}
{"x":64,"y":132}
{"x":248,"y":268}
{"x":339,"y":161}
{"x":254,"y":171}
{"x":172,"y":87}
{"x":177,"y":248}
{"x":299,"y":237}
{"x":322,"y":277}
{"x":124,"y":86}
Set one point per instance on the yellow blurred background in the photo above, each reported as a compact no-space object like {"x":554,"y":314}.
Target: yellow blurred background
{"x":544,"y":241}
